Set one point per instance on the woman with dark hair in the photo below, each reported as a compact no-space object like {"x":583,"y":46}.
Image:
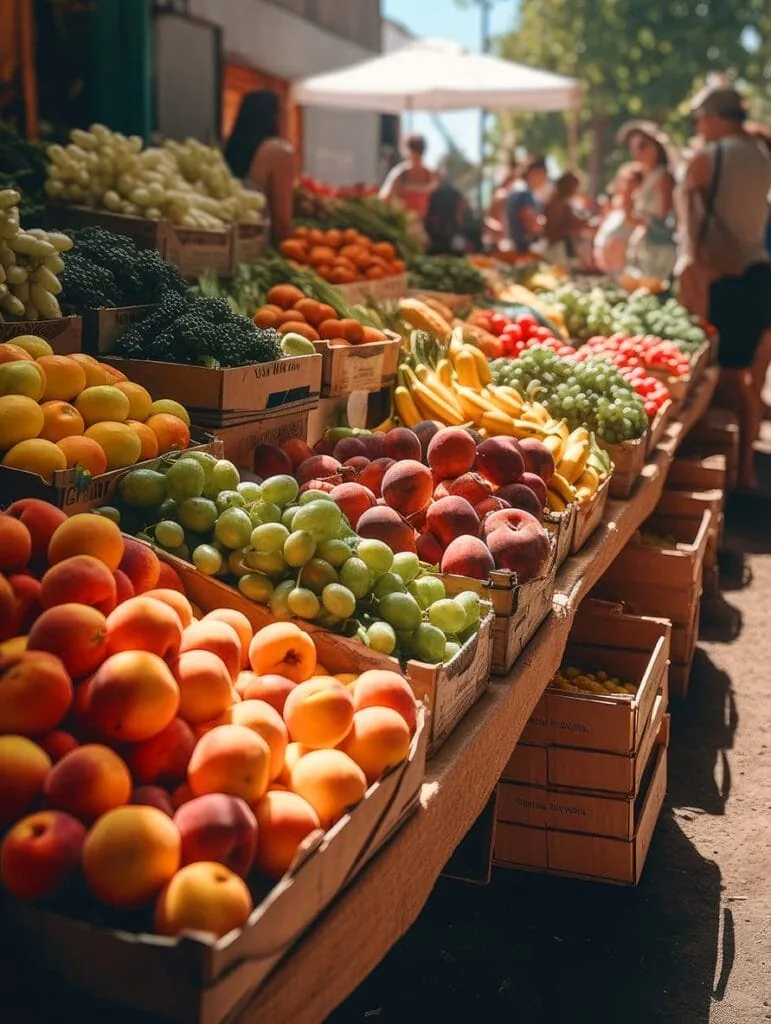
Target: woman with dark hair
{"x":524,"y":205}
{"x":561,"y":223}
{"x":259,"y":157}
{"x":652,"y":247}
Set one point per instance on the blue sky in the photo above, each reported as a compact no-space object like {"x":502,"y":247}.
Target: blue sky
{"x":444,"y":19}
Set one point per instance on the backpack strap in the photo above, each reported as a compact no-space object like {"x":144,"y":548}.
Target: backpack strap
{"x":709,"y":205}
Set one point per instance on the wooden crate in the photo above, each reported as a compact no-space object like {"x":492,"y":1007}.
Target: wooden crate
{"x":146,"y":234}
{"x":103,"y":327}
{"x":628,"y":461}
{"x":589,"y":515}
{"x":562,"y":527}
{"x":64,"y":334}
{"x":196,"y":251}
{"x":659,"y":425}
{"x":383,"y":289}
{"x":368,"y":367}
{"x":697,"y":474}
{"x":680,"y":505}
{"x":716,"y":433}
{"x":639,"y":565}
{"x":240,"y":441}
{"x":249,"y":241}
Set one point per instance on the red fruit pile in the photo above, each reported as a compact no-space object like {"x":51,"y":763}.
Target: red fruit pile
{"x":523,"y":332}
{"x":639,"y":351}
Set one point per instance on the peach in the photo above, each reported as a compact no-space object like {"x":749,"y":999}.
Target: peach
{"x":41,"y":519}
{"x":230,"y":759}
{"x":348,"y":448}
{"x":292,"y":755}
{"x":424,"y":431}
{"x":144,"y":624}
{"x":203,"y":897}
{"x":205,"y":685}
{"x":263,"y":719}
{"x":58,"y":743}
{"x":407,"y":486}
{"x":23,"y":770}
{"x":382,"y":688}
{"x":271,"y":688}
{"x":124,"y":588}
{"x":40,"y":854}
{"x":87,"y":534}
{"x":373,"y":445}
{"x":165,"y":756}
{"x":537,"y":458}
{"x":181,"y":795}
{"x":80,"y":579}
{"x":240,"y":624}
{"x":79,"y":721}
{"x":468,"y":556}
{"x":428,"y":548}
{"x":88,"y":782}
{"x":282,"y":648}
{"x":216,"y":637}
{"x":317,"y":485}
{"x":297,"y":451}
{"x":471,"y":486}
{"x":219,"y":828}
{"x":26,"y":591}
{"x":75,"y":633}
{"x":130,"y":854}
{"x":451,"y":452}
{"x":401,"y":444}
{"x":35,"y":693}
{"x":316,"y":467}
{"x":452,"y":517}
{"x":384,"y":523}
{"x":330,"y":781}
{"x":372,"y":475}
{"x":174,"y":599}
{"x":132,"y":696}
{"x":491,"y":504}
{"x":169,"y":579}
{"x":518,"y":543}
{"x":357,"y":463}
{"x":15,"y":544}
{"x":153,"y":796}
{"x":353,"y":499}
{"x":499,"y":460}
{"x":141,"y":564}
{"x":271,"y":461}
{"x":378,"y":740}
{"x":284,"y":820}
{"x":319,"y":712}
{"x":8,"y":610}
{"x":536,"y":485}
{"x":519,"y":495}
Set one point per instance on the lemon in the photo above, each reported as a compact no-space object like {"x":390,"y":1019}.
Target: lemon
{"x":33,"y":344}
{"x":37,"y":456}
{"x":21,"y":419}
{"x":101,"y":403}
{"x":171,"y":407}
{"x":21,"y":377}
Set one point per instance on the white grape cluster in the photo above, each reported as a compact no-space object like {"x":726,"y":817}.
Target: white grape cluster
{"x":187,"y":182}
{"x":29,"y":264}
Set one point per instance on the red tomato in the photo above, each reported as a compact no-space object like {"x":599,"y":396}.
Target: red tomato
{"x":513,"y":331}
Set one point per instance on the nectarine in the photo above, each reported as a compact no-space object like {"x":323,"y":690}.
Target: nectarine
{"x":75,"y":633}
{"x":165,"y":756}
{"x":284,"y":820}
{"x":382,"y":688}
{"x":205,"y":685}
{"x":240,"y":624}
{"x":319,"y":712}
{"x":87,"y":534}
{"x":230,"y":759}
{"x":80,"y":579}
{"x":378,"y":740}
{"x":40,"y":854}
{"x":468,"y":556}
{"x":87,"y":782}
{"x":23,"y":769}
{"x":140,"y":563}
{"x":132,"y":696}
{"x":330,"y":781}
{"x":35,"y":693}
{"x":282,"y":648}
{"x":144,"y":624}
{"x":203,"y":897}
{"x":216,"y":637}
{"x":41,"y":519}
{"x":220,"y":828}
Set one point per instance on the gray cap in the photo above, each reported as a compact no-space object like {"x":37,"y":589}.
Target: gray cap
{"x":719,"y":100}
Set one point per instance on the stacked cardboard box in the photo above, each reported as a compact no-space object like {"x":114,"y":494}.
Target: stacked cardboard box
{"x":704,"y":479}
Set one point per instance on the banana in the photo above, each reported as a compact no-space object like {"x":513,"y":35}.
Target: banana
{"x":430,"y":405}
{"x":541,"y":412}
{"x":470,"y":399}
{"x":385,"y":426}
{"x":528,"y":429}
{"x":501,"y":400}
{"x":466,"y":369}
{"x":498,"y":423}
{"x":433,"y":383}
{"x":573,"y":462}
{"x":529,"y":415}
{"x":556,"y":446}
{"x":444,"y":372}
{"x":555,"y":501}
{"x":483,"y":367}
{"x":578,"y":435}
{"x":589,"y":478}
{"x":560,"y":485}
{"x":405,"y":407}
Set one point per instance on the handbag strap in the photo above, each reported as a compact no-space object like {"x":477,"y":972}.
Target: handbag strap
{"x":709,"y":206}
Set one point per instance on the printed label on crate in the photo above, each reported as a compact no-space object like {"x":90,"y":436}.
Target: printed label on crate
{"x":361,"y":370}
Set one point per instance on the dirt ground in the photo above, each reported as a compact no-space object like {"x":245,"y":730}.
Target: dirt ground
{"x":692,"y":943}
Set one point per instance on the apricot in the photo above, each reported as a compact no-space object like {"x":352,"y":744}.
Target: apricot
{"x":384,"y":523}
{"x":181,"y":795}
{"x":451,"y":452}
{"x":452,"y":517}
{"x":468,"y":556}
{"x":87,"y":534}
{"x":272,"y":689}
{"x":408,"y":486}
{"x":218,"y":638}
{"x":153,"y":796}
{"x":81,"y":579}
{"x":130,"y":854}
{"x":353,"y":499}
{"x":23,"y":770}
{"x":172,"y":432}
{"x":174,"y":599}
{"x":15,"y":544}
{"x":124,"y":588}
{"x":372,"y":475}
{"x":64,"y":378}
{"x":169,"y":579}
{"x":75,"y":633}
{"x":378,"y":740}
{"x":400,"y":444}
{"x":132,"y":696}
{"x":41,"y":519}
{"x":144,"y":624}
{"x":471,"y":486}
{"x":500,"y":460}
{"x":266,"y":722}
{"x":87,"y":782}
{"x":283,"y":649}
{"x":218,"y":827}
{"x":40,"y":854}
{"x":319,"y":712}
{"x":26,"y":605}
{"x":296,"y":450}
{"x":292,"y":755}
{"x":205,"y":685}
{"x":141,"y":564}
{"x":330,"y":781}
{"x":382,"y":688}
{"x":230,"y":759}
{"x":203,"y":897}
{"x":316,"y":467}
{"x":165,"y":756}
{"x":58,"y":743}
{"x":35,"y":693}
{"x":284,"y":820}
{"x":240,"y":624}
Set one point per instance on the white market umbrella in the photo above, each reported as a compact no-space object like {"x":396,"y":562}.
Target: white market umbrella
{"x":437,"y":75}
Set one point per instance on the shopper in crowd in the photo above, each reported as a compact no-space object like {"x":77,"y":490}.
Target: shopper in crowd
{"x":616,"y":227}
{"x":763,"y":135}
{"x":259,"y":156}
{"x":496,"y":232}
{"x":525,"y":205}
{"x":411,"y":182}
{"x":652,"y":248}
{"x":444,"y":222}
{"x":562,"y":226}
{"x":725,"y":274}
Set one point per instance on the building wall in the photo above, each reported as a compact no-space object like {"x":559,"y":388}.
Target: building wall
{"x":338,"y":147}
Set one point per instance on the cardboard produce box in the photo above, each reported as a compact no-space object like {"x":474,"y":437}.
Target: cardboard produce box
{"x":628,"y":461}
{"x":103,"y":327}
{"x":240,"y":441}
{"x":589,"y":515}
{"x":690,"y":505}
{"x":230,"y":396}
{"x":249,"y":241}
{"x":659,"y":425}
{"x":192,"y":981}
{"x":75,"y":491}
{"x":64,"y":334}
{"x":605,"y":638}
{"x":146,"y":234}
{"x":562,"y":527}
{"x":716,"y":433}
{"x":382,"y":289}
{"x":196,"y":251}
{"x":368,"y":367}
{"x":447,"y":691}
{"x":697,"y":474}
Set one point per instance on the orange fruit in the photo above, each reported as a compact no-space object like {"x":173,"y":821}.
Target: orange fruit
{"x":171,"y":431}
{"x":95,"y":372}
{"x":43,"y":458}
{"x":34,"y":345}
{"x":103,"y":403}
{"x":21,"y":419}
{"x":64,"y":378}
{"x":140,"y":400}
{"x":10,"y":352}
{"x":60,"y":420}
{"x":120,"y":443}
{"x":85,"y":453}
{"x":147,"y":439}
